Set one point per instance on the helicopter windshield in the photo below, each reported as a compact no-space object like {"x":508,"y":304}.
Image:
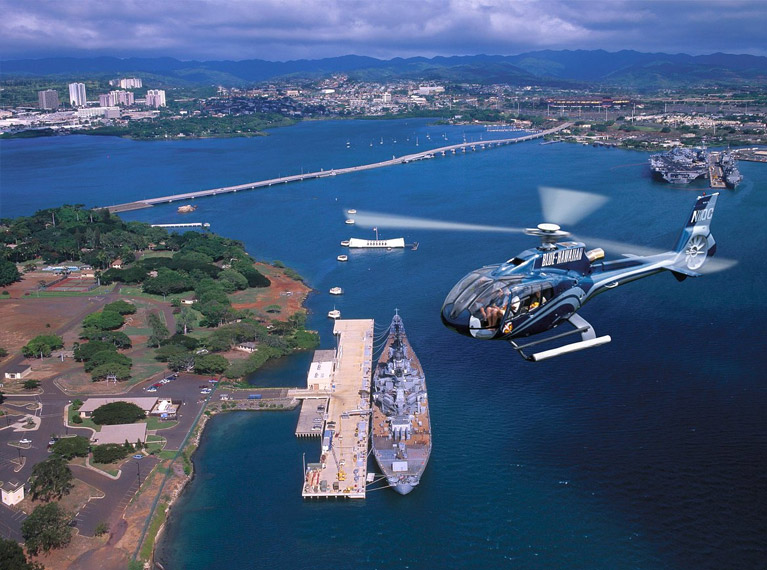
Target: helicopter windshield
{"x":467,"y":289}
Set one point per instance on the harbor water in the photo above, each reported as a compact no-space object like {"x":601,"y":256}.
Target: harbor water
{"x":648,"y":452}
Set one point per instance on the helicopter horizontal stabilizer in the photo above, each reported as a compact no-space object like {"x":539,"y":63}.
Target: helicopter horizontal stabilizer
{"x":582,"y":326}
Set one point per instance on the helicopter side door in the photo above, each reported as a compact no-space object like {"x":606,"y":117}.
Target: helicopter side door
{"x":525,"y":305}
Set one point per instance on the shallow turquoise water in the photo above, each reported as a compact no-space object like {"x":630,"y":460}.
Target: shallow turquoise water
{"x":645,"y":453}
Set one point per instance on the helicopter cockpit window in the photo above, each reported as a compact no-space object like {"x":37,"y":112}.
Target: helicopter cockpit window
{"x":534,"y":296}
{"x":466,"y":291}
{"x":488,"y":309}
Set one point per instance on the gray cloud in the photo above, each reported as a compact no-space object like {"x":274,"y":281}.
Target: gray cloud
{"x":293,"y":29}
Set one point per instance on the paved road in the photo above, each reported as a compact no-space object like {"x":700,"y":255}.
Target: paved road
{"x":118,"y":493}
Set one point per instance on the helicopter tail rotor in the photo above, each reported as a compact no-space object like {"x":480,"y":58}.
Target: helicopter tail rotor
{"x":696,"y":243}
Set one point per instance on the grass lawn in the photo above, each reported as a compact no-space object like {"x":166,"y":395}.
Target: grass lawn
{"x":167,"y":454}
{"x":87,"y":422}
{"x":157,"y":253}
{"x":157,"y":520}
{"x":153,"y":422}
{"x":103,"y":290}
{"x":111,"y":468}
{"x":155,"y":443}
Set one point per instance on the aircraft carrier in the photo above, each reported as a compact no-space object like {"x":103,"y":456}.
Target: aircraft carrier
{"x":401,"y":430}
{"x":683,"y":165}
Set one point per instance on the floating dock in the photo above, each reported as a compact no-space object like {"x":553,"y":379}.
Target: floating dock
{"x":342,"y":467}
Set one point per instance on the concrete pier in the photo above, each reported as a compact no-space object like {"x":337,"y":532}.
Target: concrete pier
{"x":342,"y":466}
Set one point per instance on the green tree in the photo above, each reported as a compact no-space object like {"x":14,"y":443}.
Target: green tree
{"x":110,"y":452}
{"x":46,"y":528}
{"x":159,"y":330}
{"x":104,"y":320}
{"x":117,"y":413}
{"x":107,"y":357}
{"x":50,"y":479}
{"x":121,"y":307}
{"x":104,"y":371}
{"x":70,"y":447}
{"x":8,"y":272}
{"x":210,"y":364}
{"x":85,"y":352}
{"x":185,"y":320}
{"x":12,"y":557}
{"x":42,"y":345}
{"x":3,"y":352}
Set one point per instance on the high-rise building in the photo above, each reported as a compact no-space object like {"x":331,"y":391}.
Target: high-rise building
{"x":106,"y":100}
{"x":130,"y":83}
{"x":48,"y":99}
{"x":77,"y":94}
{"x":155,"y":98}
{"x":120,"y":98}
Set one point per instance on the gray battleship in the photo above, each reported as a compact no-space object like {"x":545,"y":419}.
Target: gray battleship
{"x":401,"y":430}
{"x":732,"y":176}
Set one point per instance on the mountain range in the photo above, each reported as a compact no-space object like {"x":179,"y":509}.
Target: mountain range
{"x":622,"y":69}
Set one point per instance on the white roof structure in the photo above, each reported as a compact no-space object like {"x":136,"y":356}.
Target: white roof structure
{"x":120,"y":433}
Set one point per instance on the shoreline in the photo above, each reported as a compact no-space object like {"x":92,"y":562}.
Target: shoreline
{"x":199,"y":427}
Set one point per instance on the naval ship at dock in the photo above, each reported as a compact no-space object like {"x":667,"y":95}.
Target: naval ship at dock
{"x":683,"y":165}
{"x":401,"y":430}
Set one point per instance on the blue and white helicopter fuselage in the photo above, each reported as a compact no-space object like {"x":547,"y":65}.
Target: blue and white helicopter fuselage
{"x":544,"y":287}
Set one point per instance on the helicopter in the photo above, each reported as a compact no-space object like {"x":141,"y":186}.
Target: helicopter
{"x":544,"y":287}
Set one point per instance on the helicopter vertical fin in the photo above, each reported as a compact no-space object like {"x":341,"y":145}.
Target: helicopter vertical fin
{"x":696,"y":243}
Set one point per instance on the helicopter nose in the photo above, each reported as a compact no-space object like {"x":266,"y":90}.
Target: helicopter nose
{"x":459,"y":322}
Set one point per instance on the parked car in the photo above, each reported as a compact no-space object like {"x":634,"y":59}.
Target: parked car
{"x":25,"y":441}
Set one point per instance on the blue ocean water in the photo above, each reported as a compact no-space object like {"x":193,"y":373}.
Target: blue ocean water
{"x":649,"y":452}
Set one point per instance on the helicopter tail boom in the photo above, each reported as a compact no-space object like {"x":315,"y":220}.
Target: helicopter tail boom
{"x":696,"y":243}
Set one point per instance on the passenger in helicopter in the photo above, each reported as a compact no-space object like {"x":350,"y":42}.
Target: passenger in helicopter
{"x":536,"y":301}
{"x":486,"y":319}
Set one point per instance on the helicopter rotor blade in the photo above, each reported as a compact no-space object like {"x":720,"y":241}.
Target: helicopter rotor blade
{"x":379,"y":220}
{"x":568,"y":207}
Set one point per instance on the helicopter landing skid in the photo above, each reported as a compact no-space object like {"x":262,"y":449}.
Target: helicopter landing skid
{"x":589,"y":339}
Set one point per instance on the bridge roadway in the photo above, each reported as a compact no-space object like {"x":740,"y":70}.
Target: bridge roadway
{"x":148,"y":202}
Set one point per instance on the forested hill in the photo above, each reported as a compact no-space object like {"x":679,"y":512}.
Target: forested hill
{"x":629,"y":69}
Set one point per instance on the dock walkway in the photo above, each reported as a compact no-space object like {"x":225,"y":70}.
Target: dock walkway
{"x":342,"y":468}
{"x":148,"y":202}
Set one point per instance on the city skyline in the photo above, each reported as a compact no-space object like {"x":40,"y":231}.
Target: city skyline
{"x":293,"y":29}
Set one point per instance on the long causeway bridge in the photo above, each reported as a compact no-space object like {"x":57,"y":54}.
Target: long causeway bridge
{"x":454,"y":149}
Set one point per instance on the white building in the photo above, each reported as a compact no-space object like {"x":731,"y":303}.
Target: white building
{"x":12,"y":492}
{"x":320,"y":376}
{"x":155,"y":98}
{"x":110,"y":112}
{"x":130,"y":83}
{"x":77,"y":94}
{"x":120,"y":98}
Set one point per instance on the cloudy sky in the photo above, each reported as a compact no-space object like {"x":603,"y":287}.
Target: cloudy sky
{"x":280,"y":30}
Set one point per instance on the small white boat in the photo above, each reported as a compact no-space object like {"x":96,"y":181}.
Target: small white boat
{"x":342,"y":257}
{"x":334,"y":314}
{"x":349,"y":221}
{"x":352,"y":211}
{"x":345,"y":243}
{"x":336,"y":291}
